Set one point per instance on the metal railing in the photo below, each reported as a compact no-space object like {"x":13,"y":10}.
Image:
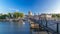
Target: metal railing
{"x":50,"y":25}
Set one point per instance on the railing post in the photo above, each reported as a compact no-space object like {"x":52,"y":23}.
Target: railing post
{"x":41,"y":21}
{"x":57,"y":28}
{"x":46,"y":21}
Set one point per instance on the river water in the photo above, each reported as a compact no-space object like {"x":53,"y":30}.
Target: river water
{"x":14,"y":28}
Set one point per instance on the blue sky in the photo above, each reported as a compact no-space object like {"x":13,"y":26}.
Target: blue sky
{"x":36,"y":6}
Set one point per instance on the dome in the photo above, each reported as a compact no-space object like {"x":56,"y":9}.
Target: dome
{"x":30,"y":13}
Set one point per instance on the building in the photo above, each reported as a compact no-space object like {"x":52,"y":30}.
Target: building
{"x":47,"y":16}
{"x":30,"y":13}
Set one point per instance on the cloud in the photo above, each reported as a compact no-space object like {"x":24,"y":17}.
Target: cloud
{"x":56,"y":11}
{"x":13,"y":9}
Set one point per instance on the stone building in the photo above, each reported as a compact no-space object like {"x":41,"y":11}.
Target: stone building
{"x":47,"y":16}
{"x":30,"y":13}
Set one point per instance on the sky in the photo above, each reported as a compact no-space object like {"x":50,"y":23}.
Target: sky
{"x":35,"y":6}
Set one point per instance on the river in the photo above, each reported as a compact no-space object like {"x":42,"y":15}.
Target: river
{"x":14,"y":28}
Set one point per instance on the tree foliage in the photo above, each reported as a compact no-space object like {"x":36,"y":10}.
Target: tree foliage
{"x":9,"y":15}
{"x":17,"y":15}
{"x":3,"y":16}
{"x":56,"y":15}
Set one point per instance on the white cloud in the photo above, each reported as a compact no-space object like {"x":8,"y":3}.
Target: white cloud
{"x":13,"y":9}
{"x":56,"y":11}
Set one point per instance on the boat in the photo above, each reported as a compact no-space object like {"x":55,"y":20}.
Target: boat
{"x":23,"y":22}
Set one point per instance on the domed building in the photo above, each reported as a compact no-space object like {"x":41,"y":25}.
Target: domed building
{"x":30,"y":13}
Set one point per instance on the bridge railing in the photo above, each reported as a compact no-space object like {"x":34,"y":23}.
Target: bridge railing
{"x":51,"y":25}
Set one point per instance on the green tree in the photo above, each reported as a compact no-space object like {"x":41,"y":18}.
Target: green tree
{"x":9,"y":15}
{"x":3,"y":16}
{"x":21,"y":15}
{"x":17,"y":14}
{"x":54,"y":15}
{"x":58,"y":15}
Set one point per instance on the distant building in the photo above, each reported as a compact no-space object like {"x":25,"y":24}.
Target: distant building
{"x":30,"y":13}
{"x":47,"y":16}
{"x":36,"y":17}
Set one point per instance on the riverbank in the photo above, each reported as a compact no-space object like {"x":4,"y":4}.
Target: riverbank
{"x":13,"y":20}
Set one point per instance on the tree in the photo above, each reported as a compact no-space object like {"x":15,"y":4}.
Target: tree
{"x":3,"y":16}
{"x":17,"y":14}
{"x":9,"y":15}
{"x":21,"y":15}
{"x":58,"y":15}
{"x":54,"y":15}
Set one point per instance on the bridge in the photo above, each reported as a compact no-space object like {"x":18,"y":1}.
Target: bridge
{"x":49,"y":25}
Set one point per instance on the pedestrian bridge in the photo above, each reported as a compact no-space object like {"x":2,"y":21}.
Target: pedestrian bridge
{"x":52,"y":26}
